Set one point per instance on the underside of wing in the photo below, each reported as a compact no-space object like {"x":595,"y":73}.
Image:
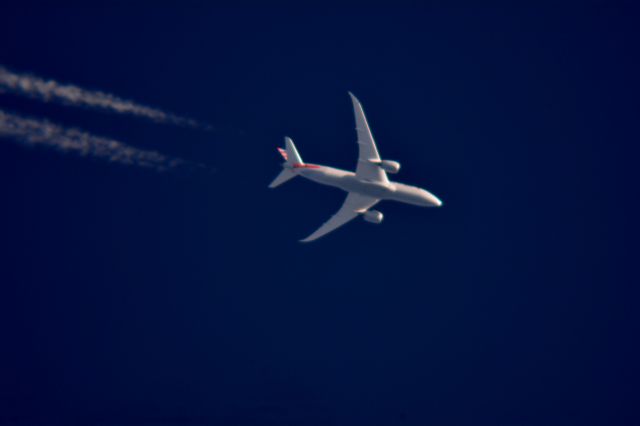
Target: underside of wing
{"x":368,"y":157}
{"x":353,"y":205}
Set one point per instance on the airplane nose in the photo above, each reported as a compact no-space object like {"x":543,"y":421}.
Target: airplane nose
{"x":431,"y":200}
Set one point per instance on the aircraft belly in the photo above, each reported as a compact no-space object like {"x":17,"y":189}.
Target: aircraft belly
{"x":372,"y":189}
{"x":407,"y":199}
{"x":409,"y":195}
{"x":326,"y":176}
{"x":346,"y":181}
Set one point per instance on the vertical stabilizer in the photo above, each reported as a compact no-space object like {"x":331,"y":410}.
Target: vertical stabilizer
{"x":292,"y":153}
{"x":292,"y":160}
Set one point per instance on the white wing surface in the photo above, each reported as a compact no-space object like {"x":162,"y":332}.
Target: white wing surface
{"x":353,"y":205}
{"x":368,"y":157}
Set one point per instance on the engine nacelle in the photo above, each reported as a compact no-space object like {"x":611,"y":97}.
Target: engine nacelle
{"x":389,"y":166}
{"x":373,"y":216}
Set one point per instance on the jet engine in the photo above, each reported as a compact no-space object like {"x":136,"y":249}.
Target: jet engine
{"x":373,"y":216}
{"x":389,"y":166}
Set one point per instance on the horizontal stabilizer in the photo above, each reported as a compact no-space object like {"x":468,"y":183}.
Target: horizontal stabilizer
{"x":284,"y":176}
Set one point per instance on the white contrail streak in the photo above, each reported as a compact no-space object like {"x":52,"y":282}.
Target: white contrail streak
{"x":52,"y":91}
{"x":36,"y":132}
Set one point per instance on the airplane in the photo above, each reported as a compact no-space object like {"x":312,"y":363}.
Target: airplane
{"x":366,"y":187}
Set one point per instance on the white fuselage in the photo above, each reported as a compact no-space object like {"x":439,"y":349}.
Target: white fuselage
{"x":347,"y":181}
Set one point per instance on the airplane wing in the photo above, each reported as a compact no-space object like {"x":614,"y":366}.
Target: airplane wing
{"x":368,"y":156}
{"x":353,"y":205}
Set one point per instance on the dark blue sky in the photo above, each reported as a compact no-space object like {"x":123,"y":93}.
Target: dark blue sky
{"x":128,"y":296}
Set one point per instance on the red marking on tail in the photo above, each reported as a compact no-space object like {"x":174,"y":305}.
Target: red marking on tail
{"x":305,"y":166}
{"x":283,"y":153}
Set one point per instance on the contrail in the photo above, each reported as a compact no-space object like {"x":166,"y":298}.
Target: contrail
{"x":52,"y":91}
{"x":36,"y":132}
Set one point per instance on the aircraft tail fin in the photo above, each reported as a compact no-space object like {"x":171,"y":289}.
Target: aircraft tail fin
{"x":292,"y":159}
{"x":290,"y":154}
